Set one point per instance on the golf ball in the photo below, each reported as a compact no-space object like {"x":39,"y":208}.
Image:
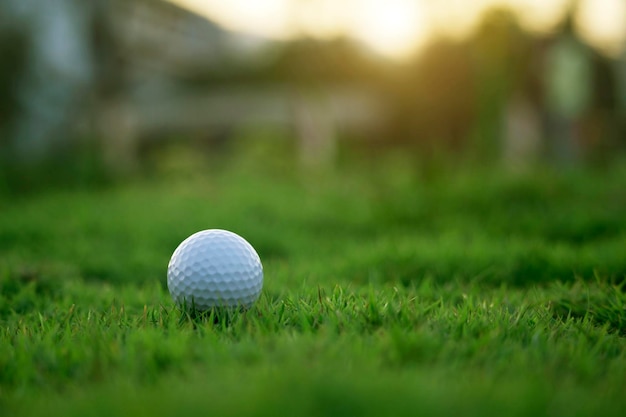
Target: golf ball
{"x":215,"y":268}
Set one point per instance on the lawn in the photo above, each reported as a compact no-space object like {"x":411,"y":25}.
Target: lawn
{"x":387,"y":292}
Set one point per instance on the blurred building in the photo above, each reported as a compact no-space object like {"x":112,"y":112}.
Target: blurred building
{"x":78,"y":60}
{"x":45,"y":71}
{"x":127,"y":71}
{"x":146,"y":51}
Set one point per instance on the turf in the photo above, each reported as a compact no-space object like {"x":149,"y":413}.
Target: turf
{"x":386,"y":293}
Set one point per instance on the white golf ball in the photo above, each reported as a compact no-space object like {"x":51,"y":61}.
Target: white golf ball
{"x":215,"y":268}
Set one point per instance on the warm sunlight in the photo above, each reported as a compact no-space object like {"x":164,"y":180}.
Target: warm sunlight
{"x":391,"y":27}
{"x":603,"y":24}
{"x":396,"y":28}
{"x":321,"y":18}
{"x":267,"y":18}
{"x":539,"y":15}
{"x":453,"y":18}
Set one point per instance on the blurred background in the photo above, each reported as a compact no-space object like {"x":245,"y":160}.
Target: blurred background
{"x":91,"y":91}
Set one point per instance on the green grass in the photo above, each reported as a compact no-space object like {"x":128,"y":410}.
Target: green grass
{"x":385,"y":294}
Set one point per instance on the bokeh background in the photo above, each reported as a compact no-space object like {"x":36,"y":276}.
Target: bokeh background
{"x":97,"y":91}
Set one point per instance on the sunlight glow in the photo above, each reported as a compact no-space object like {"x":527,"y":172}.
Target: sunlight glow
{"x":322,"y":18}
{"x":454,"y":18}
{"x":267,"y":18}
{"x":397,"y":28}
{"x":603,"y":24}
{"x":539,"y":15}
{"x":391,"y":27}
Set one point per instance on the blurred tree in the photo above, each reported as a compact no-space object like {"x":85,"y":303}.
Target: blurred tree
{"x":619,"y":68}
{"x":502,"y":54}
{"x":13,"y":49}
{"x":599,"y":136}
{"x":568,"y":92}
{"x":314,"y":62}
{"x":433,"y":99}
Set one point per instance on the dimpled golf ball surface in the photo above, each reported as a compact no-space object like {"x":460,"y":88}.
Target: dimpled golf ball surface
{"x":215,"y":268}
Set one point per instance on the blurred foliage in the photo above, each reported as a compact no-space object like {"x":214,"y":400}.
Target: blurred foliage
{"x":446,"y":106}
{"x":13,"y":49}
